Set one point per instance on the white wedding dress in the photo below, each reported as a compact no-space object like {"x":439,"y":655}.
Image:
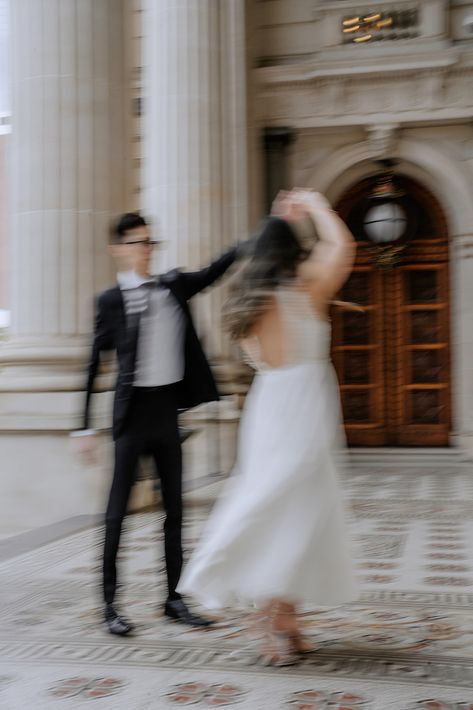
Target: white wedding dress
{"x":279,"y":529}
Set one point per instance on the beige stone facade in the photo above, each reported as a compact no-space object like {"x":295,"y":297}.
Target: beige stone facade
{"x":408,"y":99}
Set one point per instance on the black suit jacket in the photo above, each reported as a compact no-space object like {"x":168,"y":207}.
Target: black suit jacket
{"x":113,"y":332}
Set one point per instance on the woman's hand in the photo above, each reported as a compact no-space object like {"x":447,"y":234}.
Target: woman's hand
{"x":299,"y":203}
{"x":279,"y":206}
{"x":313,"y":202}
{"x":287,"y":207}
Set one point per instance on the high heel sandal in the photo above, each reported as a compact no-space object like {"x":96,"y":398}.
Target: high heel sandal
{"x":300,"y":644}
{"x":277,"y":648}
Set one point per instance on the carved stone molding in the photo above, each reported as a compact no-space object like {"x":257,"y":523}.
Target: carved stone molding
{"x":427,"y":162}
{"x":358,"y":106}
{"x":416,"y":92}
{"x":463,"y":246}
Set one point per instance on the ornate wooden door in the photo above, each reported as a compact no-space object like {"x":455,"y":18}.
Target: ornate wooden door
{"x":393,"y":359}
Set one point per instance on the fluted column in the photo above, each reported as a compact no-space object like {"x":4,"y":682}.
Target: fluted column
{"x":68,"y":179}
{"x":67,"y":156}
{"x":195,"y":174}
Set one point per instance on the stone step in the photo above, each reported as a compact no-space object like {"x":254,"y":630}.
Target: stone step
{"x":399,"y":457}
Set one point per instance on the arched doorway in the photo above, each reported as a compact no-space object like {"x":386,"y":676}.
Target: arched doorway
{"x":393,"y":360}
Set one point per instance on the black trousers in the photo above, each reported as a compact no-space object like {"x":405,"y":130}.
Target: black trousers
{"x":151,"y":428}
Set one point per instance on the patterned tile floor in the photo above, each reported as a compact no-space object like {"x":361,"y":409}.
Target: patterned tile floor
{"x":406,"y":644}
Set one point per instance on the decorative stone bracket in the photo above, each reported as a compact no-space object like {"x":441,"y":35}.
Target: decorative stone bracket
{"x":382,"y":140}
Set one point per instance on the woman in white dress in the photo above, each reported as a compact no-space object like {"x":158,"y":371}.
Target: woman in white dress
{"x":277,"y":537}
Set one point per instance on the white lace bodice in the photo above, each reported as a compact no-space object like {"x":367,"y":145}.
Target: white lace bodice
{"x":306,"y":335}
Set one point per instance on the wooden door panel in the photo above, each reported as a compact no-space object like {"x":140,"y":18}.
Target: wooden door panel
{"x":393,"y":360}
{"x":424,"y":355}
{"x":358,"y":358}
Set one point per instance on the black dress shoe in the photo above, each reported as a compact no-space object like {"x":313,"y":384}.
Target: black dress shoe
{"x":116,"y":624}
{"x":177,"y":610}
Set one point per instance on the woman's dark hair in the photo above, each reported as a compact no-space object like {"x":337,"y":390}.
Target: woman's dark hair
{"x":272,"y":260}
{"x":276,"y":253}
{"x":130,"y":220}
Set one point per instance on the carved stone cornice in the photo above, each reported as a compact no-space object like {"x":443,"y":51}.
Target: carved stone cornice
{"x":378,"y":67}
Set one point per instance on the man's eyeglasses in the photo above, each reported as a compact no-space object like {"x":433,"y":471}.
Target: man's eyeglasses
{"x":143,"y":242}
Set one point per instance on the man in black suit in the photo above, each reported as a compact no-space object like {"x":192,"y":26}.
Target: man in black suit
{"x":162,"y":368}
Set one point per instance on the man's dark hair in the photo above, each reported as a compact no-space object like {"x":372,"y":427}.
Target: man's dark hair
{"x":130,"y":220}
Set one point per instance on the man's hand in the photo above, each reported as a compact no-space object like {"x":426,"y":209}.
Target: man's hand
{"x":85,"y":446}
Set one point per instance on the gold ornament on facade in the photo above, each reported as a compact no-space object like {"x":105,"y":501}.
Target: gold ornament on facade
{"x":378,"y":26}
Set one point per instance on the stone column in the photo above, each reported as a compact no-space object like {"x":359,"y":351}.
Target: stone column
{"x":194,"y":143}
{"x":4,"y":138}
{"x":195,"y":177}
{"x":68,"y":180}
{"x":4,"y":58}
{"x":462,"y":340}
{"x":67,"y":157}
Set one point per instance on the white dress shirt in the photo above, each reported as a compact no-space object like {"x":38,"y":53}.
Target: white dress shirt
{"x":160,"y":349}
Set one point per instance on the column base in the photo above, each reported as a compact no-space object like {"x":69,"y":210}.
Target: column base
{"x":42,"y":384}
{"x":41,"y":401}
{"x":233,"y":378}
{"x":463,"y":443}
{"x":42,"y":482}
